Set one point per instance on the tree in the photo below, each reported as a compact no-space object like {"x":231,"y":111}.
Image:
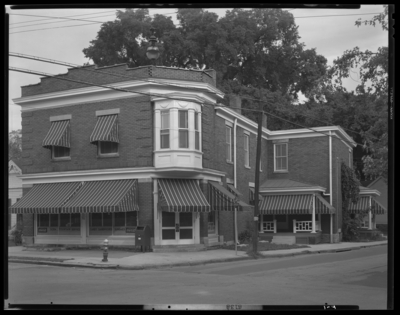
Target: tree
{"x":364,"y":110}
{"x":14,"y":145}
{"x":249,"y":49}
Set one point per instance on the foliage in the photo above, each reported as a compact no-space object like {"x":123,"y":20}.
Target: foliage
{"x":14,"y":145}
{"x":16,"y":231}
{"x":244,"y":237}
{"x":247,"y":48}
{"x":350,"y":193}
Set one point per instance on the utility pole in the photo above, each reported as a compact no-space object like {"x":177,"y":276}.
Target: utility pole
{"x":257,"y":177}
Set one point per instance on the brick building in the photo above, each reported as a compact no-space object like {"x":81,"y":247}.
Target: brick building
{"x":149,"y":146}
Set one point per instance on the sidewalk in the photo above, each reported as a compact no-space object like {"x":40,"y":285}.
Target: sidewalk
{"x":119,"y":259}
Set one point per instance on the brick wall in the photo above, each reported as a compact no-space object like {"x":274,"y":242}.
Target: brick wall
{"x":114,"y":74}
{"x":28,"y":219}
{"x":135,"y":136}
{"x":145,"y":201}
{"x":308,"y":161}
{"x":214,"y":148}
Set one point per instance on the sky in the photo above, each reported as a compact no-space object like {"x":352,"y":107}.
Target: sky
{"x":41,"y":33}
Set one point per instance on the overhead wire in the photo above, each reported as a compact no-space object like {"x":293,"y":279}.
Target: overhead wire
{"x":36,"y":58}
{"x":172,"y":98}
{"x":177,"y":24}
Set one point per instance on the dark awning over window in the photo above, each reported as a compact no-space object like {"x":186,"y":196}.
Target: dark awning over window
{"x":45,"y":198}
{"x":58,"y":135}
{"x":222,"y":200}
{"x":106,"y":129}
{"x":181,"y":195}
{"x":233,"y":190}
{"x":287,"y":204}
{"x":104,"y":196}
{"x":322,"y":206}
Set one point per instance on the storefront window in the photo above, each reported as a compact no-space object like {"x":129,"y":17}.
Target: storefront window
{"x":59,"y":224}
{"x":119,"y":223}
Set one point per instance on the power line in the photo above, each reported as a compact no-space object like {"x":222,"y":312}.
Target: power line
{"x":148,"y":80}
{"x":172,"y":98}
{"x":11,"y":28}
{"x":177,"y":24}
{"x":64,"y":16}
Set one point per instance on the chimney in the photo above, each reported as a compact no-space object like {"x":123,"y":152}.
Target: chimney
{"x":236,"y":103}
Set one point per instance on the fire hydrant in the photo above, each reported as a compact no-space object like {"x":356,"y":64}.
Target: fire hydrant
{"x":105,"y":250}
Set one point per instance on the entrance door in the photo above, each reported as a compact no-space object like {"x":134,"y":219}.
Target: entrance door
{"x":177,"y":228}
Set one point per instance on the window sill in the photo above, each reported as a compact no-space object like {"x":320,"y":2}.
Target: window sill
{"x":281,"y":171}
{"x":61,"y":159}
{"x":229,"y":162}
{"x":106,"y":156}
{"x":248,"y":167}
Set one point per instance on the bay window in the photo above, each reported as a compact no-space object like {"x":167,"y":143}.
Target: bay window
{"x":196,"y":131}
{"x":183,"y":129}
{"x":164,"y":131}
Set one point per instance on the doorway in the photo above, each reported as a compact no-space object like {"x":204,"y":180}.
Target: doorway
{"x":177,"y":228}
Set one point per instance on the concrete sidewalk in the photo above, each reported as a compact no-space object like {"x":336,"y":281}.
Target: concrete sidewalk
{"x":120,"y":259}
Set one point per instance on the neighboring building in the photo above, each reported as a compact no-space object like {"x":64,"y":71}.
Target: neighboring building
{"x":99,"y":162}
{"x":380,"y":184}
{"x":14,"y":189}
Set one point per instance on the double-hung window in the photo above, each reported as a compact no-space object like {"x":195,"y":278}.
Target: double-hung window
{"x":59,"y":152}
{"x":183,"y":129}
{"x":164,"y":131}
{"x":196,"y":131}
{"x":58,"y":137}
{"x":228,"y":143}
{"x":281,"y":157}
{"x":105,"y":133}
{"x":107,"y":147}
{"x":246,"y":151}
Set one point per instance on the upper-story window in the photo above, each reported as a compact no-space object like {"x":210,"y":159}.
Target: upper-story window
{"x":246,"y":151}
{"x":164,"y":130}
{"x":228,"y":131}
{"x":281,"y":156}
{"x":58,"y":137}
{"x":59,"y":152}
{"x":107,"y":147}
{"x":105,"y":133}
{"x":196,"y":131}
{"x":183,"y":129}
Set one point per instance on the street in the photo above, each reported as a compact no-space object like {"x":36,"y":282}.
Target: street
{"x":357,"y":277}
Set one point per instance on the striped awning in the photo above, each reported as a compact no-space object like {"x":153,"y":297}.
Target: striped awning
{"x":361,"y":205}
{"x":364,"y":205}
{"x":106,"y":129}
{"x":104,"y":196}
{"x":322,"y":206}
{"x":233,"y":190}
{"x":252,"y":196}
{"x":181,"y":195}
{"x":377,"y":208}
{"x":58,"y":135}
{"x":222,"y":200}
{"x":45,"y":198}
{"x":286,"y":204}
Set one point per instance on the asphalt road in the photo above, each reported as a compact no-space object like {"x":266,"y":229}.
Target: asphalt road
{"x":357,"y":277}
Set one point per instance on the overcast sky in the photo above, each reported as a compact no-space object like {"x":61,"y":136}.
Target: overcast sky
{"x":39,"y":33}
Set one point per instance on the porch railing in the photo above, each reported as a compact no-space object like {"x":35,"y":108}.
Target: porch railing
{"x":268,"y":226}
{"x":305,"y":226}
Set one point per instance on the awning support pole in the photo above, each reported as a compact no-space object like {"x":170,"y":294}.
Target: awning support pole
{"x":370,"y":215}
{"x":313,"y":216}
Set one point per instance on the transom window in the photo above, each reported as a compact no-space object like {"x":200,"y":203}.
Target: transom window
{"x":183,"y":129}
{"x":164,"y":131}
{"x":228,"y":143}
{"x":107,"y":147}
{"x":281,"y":157}
{"x":60,"y":152}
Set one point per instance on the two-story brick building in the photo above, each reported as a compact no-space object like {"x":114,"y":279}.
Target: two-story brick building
{"x":151,"y":146}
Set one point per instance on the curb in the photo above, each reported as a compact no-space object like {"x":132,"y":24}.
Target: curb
{"x":26,"y":260}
